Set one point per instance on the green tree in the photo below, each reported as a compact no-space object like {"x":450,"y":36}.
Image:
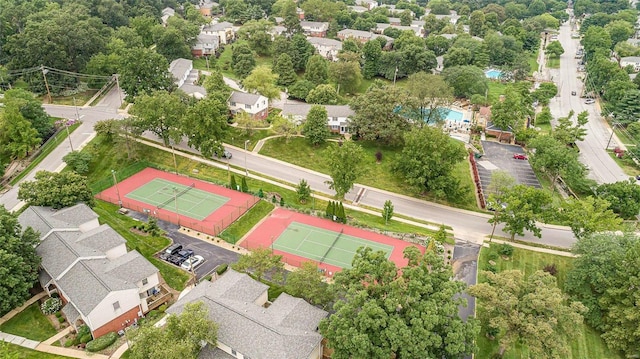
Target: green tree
{"x":31,"y":109}
{"x":553,"y":158}
{"x":372,"y":53}
{"x":300,"y":51}
{"x":511,"y":112}
{"x":378,"y":304}
{"x":523,"y":207}
{"x":554,"y":48}
{"x":242,"y":59}
{"x":56,"y":190}
{"x":216,"y":87}
{"x":531,"y":311}
{"x":545,"y":92}
{"x":544,"y":117}
{"x":623,"y":196}
{"x":466,"y":81}
{"x":232,"y":184}
{"x":499,"y":186}
{"x":569,"y":133}
{"x":142,"y":70}
{"x":344,"y":166}
{"x":78,"y":161}
{"x":428,"y":158}
{"x":628,"y":108}
{"x":244,"y":187}
{"x":405,"y":18}
{"x":182,"y":336}
{"x":323,"y":94}
{"x":589,"y":215}
{"x":262,"y":81}
{"x":284,"y":127}
{"x":19,"y":261}
{"x":205,"y":125}
{"x":476,"y":24}
{"x":387,"y":211}
{"x":619,"y":31}
{"x":17,"y":135}
{"x":346,"y":74}
{"x":457,"y":56}
{"x":261,"y":262}
{"x":258,"y":34}
{"x":303,"y":190}
{"x":307,"y":282}
{"x":376,"y":116}
{"x":603,"y":277}
{"x":300,"y":90}
{"x":315,"y":127}
{"x":317,"y":70}
{"x":429,"y":96}
{"x":160,"y":112}
{"x":284,"y":69}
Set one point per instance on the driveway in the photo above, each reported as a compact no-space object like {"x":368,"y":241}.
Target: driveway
{"x":465,"y":269}
{"x":213,"y":255}
{"x":499,"y":156}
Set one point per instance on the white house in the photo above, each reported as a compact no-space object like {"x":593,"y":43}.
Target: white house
{"x":418,"y":31}
{"x":357,"y":9}
{"x":337,"y":115}
{"x":185,"y":76}
{"x":362,"y":36}
{"x":327,"y":48}
{"x":224,"y":30}
{"x":254,"y":104}
{"x":369,"y":4}
{"x":88,"y":266}
{"x":167,"y":12}
{"x":206,"y":45}
{"x":633,"y":61}
{"x":314,"y":28}
{"x":251,"y":327}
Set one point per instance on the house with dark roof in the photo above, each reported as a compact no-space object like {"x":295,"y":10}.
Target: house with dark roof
{"x":250,"y":326}
{"x":88,"y":266}
{"x":363,"y":36}
{"x":337,"y":115}
{"x":256,"y":105}
{"x":205,"y":45}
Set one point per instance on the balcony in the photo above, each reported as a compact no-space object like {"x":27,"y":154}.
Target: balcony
{"x":156,"y":300}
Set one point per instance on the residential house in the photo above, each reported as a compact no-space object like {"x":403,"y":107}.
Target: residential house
{"x":362,"y":36}
{"x":254,"y":104}
{"x":206,"y":6}
{"x":337,"y":115}
{"x":277,"y":31}
{"x":327,"y":48}
{"x":368,"y":4}
{"x":300,"y":13}
{"x":224,"y":30}
{"x":394,"y":21}
{"x":167,"y":12}
{"x":314,"y":28}
{"x":395,"y":11}
{"x":633,"y":61}
{"x":634,"y":42}
{"x":206,"y":45}
{"x":418,"y":31}
{"x":452,"y":16}
{"x":185,"y":77}
{"x":357,"y":9}
{"x":88,"y":266}
{"x":251,"y":327}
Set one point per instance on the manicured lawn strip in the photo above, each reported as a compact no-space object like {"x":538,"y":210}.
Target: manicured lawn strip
{"x":19,"y":352}
{"x":379,"y":175}
{"x":496,"y":88}
{"x":533,"y":62}
{"x":242,"y":226}
{"x":628,"y":166}
{"x":586,"y":344}
{"x":80,"y":98}
{"x":146,"y":245}
{"x":31,"y":324}
{"x":370,"y":220}
{"x":237,"y":137}
{"x":553,"y":62}
{"x":46,"y":150}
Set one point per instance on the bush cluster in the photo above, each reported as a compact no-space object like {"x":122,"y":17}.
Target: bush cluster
{"x":102,"y":342}
{"x":51,"y":306}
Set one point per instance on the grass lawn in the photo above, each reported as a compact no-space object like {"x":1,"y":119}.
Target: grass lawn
{"x":378,"y":175}
{"x":533,"y":62}
{"x":80,"y":98}
{"x":146,"y":245}
{"x":31,"y":324}
{"x":239,"y":228}
{"x":19,"y":352}
{"x":586,"y":344}
{"x":376,"y":221}
{"x":553,"y":62}
{"x":48,"y":147}
{"x":626,"y":163}
{"x":237,"y":136}
{"x":496,"y":88}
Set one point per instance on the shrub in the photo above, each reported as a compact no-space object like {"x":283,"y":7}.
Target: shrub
{"x":491,"y":268}
{"x":505,"y":250}
{"x":102,"y":342}
{"x":281,"y":201}
{"x":68,"y":343}
{"x":60,"y":320}
{"x":222,"y":268}
{"x":493,"y":256}
{"x":51,"y":306}
{"x":551,"y":269}
{"x":83,"y":330}
{"x":378,"y":156}
{"x":273,"y":199}
{"x":58,"y":314}
{"x":260,"y":193}
{"x":85,"y":338}
{"x":162,"y":308}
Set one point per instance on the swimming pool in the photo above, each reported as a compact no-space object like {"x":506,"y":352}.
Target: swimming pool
{"x":445,"y":114}
{"x":454,"y":115}
{"x":493,"y":74}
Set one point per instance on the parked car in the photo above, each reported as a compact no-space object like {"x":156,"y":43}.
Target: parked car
{"x":192,"y":262}
{"x":171,"y":250}
{"x":185,"y":253}
{"x":225,"y":154}
{"x":573,"y":93}
{"x":589,"y":101}
{"x":520,"y":156}
{"x":176,"y":259}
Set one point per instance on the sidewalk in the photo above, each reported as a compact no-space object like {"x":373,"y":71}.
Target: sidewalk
{"x":529,"y":248}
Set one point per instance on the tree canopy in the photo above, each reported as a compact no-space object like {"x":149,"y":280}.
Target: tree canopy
{"x":344,"y":166}
{"x":56,"y":190}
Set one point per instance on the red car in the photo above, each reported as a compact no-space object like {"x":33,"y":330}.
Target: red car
{"x":520,"y":156}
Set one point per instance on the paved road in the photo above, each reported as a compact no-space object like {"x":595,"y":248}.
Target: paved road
{"x":603,"y":168}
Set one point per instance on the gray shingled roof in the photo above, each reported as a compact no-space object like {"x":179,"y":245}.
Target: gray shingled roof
{"x":131,"y":267}
{"x":209,"y":352}
{"x":218,"y":26}
{"x":303,"y":109}
{"x":102,"y":238}
{"x":285,"y":330}
{"x":179,"y":67}
{"x":244,"y":98}
{"x":82,"y":286}
{"x":323,"y":41}
{"x":43,"y":219}
{"x":57,"y":254}
{"x":207,"y":39}
{"x":70,"y":312}
{"x":43,"y":278}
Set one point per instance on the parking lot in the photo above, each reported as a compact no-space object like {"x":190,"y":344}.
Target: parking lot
{"x":499,"y":156}
{"x":213,"y":255}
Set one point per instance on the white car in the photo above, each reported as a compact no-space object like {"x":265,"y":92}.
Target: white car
{"x":589,"y":101}
{"x":192,"y":262}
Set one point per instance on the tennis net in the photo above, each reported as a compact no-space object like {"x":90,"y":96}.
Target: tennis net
{"x":332,"y":245}
{"x":163,"y":204}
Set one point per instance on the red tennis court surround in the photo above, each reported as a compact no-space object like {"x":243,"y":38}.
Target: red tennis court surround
{"x":216,"y":222}
{"x":273,"y":226}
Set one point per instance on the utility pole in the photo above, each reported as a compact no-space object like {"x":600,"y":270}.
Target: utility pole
{"x":246,"y":170}
{"x":44,"y":74}
{"x":613,"y":124}
{"x":66,"y":127}
{"x":118,"y":86}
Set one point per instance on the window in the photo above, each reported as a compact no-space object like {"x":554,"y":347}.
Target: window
{"x":145,"y":281}
{"x":232,"y":103}
{"x":116,"y":306}
{"x":248,"y":107}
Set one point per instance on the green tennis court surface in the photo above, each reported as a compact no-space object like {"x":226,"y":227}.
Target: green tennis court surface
{"x":323,"y":245}
{"x":192,"y":202}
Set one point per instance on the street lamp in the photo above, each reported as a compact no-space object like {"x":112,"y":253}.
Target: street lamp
{"x":115,"y":180}
{"x":246,"y":170}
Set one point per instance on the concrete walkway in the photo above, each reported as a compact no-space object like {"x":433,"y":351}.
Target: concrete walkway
{"x":16,"y":340}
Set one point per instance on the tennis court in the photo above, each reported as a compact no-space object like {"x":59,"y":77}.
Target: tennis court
{"x":324,"y":245}
{"x":185,"y":200}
